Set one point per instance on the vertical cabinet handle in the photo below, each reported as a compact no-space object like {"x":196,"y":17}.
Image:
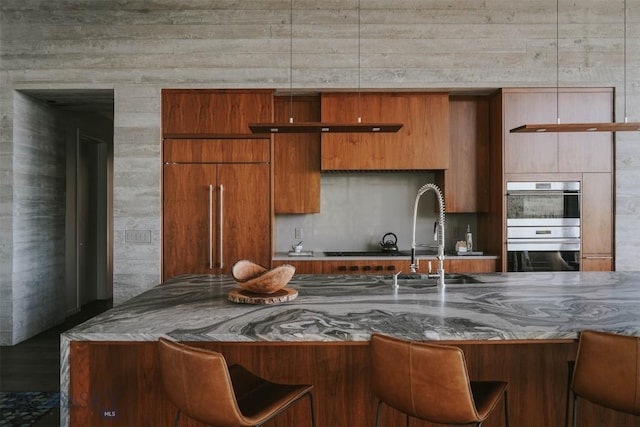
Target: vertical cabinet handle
{"x":210,"y":227}
{"x":220,"y":225}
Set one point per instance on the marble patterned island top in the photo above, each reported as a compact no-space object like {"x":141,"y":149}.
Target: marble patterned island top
{"x":501,"y":306}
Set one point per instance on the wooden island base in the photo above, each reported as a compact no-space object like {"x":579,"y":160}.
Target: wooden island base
{"x":118,"y":383}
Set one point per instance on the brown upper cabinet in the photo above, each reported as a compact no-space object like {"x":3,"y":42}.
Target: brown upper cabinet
{"x":586,"y":151}
{"x":216,"y":180}
{"x":557,"y":152}
{"x":466,"y":181}
{"x":296,"y":157}
{"x":213,"y":112}
{"x":421,"y":144}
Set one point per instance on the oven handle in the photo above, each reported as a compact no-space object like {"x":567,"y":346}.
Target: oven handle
{"x":543,"y":245}
{"x":546,"y":193}
{"x":542,"y":241}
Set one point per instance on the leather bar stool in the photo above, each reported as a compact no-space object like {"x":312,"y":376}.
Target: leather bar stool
{"x":430,"y":382}
{"x":203,"y":387}
{"x":607,"y":372}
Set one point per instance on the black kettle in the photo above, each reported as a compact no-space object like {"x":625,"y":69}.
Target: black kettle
{"x":390,"y":245}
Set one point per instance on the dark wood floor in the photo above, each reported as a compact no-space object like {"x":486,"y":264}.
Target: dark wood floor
{"x":34,"y":365}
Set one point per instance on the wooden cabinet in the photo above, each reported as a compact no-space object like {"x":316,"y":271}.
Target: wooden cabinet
{"x":526,"y":152}
{"x":364,"y":266}
{"x":214,"y":112}
{"x":470,"y":265}
{"x":216,"y":150}
{"x":296,"y":158}
{"x":348,"y":266}
{"x":597,"y":222}
{"x":551,"y":156}
{"x":586,"y":151}
{"x":302,"y":267}
{"x":216,"y":183}
{"x":459,"y":265}
{"x":214,"y":215}
{"x":466,"y":182}
{"x":557,"y":152}
{"x":391,"y":266}
{"x":422,"y":143}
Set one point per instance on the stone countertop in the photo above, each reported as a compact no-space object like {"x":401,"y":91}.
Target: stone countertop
{"x":332,"y":308}
{"x":503,"y":306}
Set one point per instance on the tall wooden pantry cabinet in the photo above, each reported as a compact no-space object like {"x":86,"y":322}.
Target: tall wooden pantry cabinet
{"x":587,"y":157}
{"x":216,"y":182}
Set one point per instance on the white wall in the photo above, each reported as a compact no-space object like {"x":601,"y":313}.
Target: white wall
{"x":138,"y":48}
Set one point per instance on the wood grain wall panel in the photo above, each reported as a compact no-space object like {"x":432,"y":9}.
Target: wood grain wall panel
{"x":216,"y":150}
{"x":466,"y":181}
{"x":302,"y":267}
{"x":214,"y":111}
{"x":80,"y":387}
{"x":472,"y":265}
{"x":296,"y":159}
{"x":491,"y":226}
{"x":421,"y":143}
{"x":586,"y":151}
{"x":537,"y":373}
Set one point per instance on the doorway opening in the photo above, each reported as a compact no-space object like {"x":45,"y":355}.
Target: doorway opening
{"x":93,"y":272}
{"x":84,"y":120}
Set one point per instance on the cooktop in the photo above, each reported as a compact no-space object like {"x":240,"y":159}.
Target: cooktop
{"x":377,"y":253}
{"x":364,"y":253}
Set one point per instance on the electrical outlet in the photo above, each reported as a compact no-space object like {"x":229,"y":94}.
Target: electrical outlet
{"x":137,"y":236}
{"x":298,"y":233}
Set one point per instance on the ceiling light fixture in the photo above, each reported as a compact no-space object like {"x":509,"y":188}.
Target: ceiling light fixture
{"x":320,"y":127}
{"x":585,"y":127}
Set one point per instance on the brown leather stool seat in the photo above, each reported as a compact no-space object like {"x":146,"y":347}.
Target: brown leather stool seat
{"x":430,"y":382}
{"x":607,"y":372}
{"x":203,"y":387}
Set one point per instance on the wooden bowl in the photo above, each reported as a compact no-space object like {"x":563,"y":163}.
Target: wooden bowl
{"x":255,"y":278}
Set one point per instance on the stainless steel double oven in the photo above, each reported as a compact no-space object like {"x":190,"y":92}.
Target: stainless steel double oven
{"x":543,"y":226}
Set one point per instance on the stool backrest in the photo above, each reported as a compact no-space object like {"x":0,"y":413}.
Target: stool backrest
{"x":427,"y":381}
{"x":197,"y":381}
{"x":607,"y":371}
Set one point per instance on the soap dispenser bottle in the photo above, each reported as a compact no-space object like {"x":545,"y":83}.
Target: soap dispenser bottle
{"x":469,"y":240}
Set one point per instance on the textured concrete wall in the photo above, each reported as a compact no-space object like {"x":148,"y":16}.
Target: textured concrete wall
{"x":38,"y":217}
{"x":139,"y":47}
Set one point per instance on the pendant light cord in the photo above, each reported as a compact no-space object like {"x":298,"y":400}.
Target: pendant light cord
{"x":291,"y":62}
{"x":624,"y":59}
{"x":359,"y":66}
{"x":557,"y":61}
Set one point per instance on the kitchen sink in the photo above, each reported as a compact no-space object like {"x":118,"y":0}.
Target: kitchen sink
{"x":421,"y":280}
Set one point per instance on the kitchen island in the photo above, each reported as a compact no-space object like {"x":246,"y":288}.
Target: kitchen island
{"x":519,"y":327}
